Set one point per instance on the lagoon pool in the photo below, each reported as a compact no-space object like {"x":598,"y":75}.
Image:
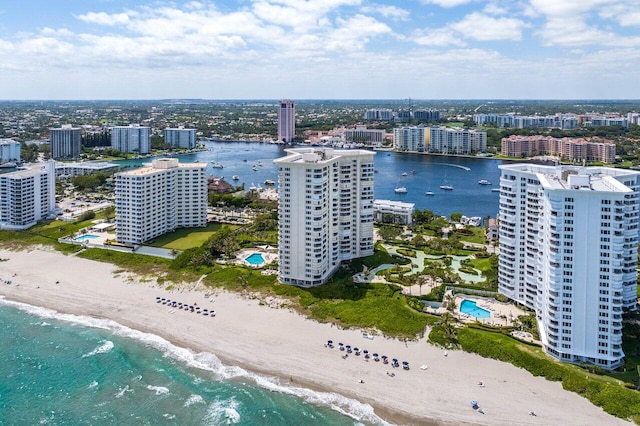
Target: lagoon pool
{"x":255,"y":259}
{"x":470,"y":307}
{"x":86,"y":237}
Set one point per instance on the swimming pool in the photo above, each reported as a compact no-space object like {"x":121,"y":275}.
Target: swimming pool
{"x":255,"y":259}
{"x":86,"y":237}
{"x":469,"y":307}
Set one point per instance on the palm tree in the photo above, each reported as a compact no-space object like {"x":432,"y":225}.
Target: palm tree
{"x":449,"y":302}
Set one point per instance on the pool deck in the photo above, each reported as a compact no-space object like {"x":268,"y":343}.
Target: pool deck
{"x":269,"y":254}
{"x":502,"y":314}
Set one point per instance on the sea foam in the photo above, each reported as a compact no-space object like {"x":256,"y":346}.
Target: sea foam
{"x":102,"y":349}
{"x":209,"y":362}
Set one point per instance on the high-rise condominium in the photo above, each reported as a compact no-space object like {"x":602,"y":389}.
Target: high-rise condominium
{"x":154,"y":200}
{"x":180,"y":138}
{"x":9,"y":151}
{"x":27,"y":196}
{"x":65,"y":142}
{"x":286,"y":121}
{"x":569,"y":251}
{"x":325,"y":213}
{"x":132,"y":138}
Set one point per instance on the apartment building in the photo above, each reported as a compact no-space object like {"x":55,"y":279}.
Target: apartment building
{"x":409,"y":138}
{"x":286,"y":121}
{"x":180,"y":138}
{"x":10,"y":151}
{"x":569,"y":250}
{"x":27,"y":196}
{"x":360,"y":134}
{"x":325,"y":213}
{"x":66,"y":142}
{"x":571,"y":149}
{"x":159,"y":198}
{"x":132,"y":139}
{"x":445,"y":140}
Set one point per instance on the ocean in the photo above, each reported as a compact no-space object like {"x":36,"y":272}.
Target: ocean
{"x":60,"y":369}
{"x":431,"y":171}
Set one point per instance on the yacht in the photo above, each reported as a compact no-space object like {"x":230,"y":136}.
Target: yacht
{"x":446,"y":186}
{"x":495,"y":189}
{"x":405,"y":174}
{"x":484,"y":182}
{"x":269,"y":182}
{"x":401,"y":190}
{"x":429,"y":193}
{"x":235,"y":177}
{"x":8,"y":165}
{"x":216,"y":165}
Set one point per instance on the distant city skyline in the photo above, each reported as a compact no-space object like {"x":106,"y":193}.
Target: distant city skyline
{"x":320,"y":49}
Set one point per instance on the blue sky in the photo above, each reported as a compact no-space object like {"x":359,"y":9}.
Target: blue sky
{"x":334,"y":49}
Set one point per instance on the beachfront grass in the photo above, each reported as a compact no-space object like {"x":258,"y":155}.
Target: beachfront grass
{"x":186,"y":238}
{"x":379,"y":306}
{"x":606,"y":392}
{"x":45,"y":233}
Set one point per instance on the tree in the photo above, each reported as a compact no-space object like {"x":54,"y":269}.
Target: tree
{"x":455,"y":217}
{"x":387,"y":232}
{"x":449,"y":302}
{"x":223,"y":242}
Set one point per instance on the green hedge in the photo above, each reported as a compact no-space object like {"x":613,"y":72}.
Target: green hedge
{"x":614,"y":398}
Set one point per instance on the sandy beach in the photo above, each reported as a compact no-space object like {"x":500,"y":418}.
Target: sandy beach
{"x":278,"y":342}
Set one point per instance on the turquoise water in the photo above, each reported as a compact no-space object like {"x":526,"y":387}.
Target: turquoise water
{"x":255,"y":259}
{"x":470,"y":307}
{"x":68,"y":370}
{"x":86,"y":237}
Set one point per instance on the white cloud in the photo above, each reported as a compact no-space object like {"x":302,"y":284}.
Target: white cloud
{"x":102,"y":18}
{"x":572,"y":23}
{"x":355,"y":32}
{"x":440,"y":37}
{"x":486,"y":28}
{"x":387,"y":11}
{"x":447,"y":3}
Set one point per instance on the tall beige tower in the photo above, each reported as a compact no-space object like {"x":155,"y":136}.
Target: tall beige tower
{"x":286,"y":121}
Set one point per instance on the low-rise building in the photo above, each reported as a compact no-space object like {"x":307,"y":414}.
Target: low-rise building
{"x":398,"y":212}
{"x":10,"y":151}
{"x":66,"y":170}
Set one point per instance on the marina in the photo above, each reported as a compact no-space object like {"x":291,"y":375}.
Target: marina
{"x":253,"y":163}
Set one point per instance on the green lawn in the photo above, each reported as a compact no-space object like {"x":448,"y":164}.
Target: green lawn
{"x":477,"y":237}
{"x":45,"y":233}
{"x":186,"y":238}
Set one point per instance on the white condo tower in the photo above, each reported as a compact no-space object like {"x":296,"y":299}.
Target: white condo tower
{"x":325,"y":213}
{"x":568,"y":250}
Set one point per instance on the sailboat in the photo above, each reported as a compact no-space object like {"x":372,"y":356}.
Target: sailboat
{"x":445,"y":185}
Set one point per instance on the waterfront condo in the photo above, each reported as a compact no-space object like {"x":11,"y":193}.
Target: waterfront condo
{"x":569,"y":251}
{"x":27,"y":196}
{"x":286,"y":121}
{"x":131,"y":139}
{"x":66,"y":142}
{"x":325,"y":214}
{"x":159,"y":198}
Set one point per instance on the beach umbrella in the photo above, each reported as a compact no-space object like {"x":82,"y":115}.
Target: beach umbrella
{"x":375,"y":355}
{"x":365,"y":351}
{"x":405,"y":363}
{"x":329,"y":342}
{"x":474,"y":403}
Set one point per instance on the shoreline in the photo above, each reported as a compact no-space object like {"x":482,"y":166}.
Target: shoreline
{"x":245,"y":329}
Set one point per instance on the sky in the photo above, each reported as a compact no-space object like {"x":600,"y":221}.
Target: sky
{"x":319,"y":49}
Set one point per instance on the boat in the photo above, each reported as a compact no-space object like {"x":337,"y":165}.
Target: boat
{"x":235,"y":177}
{"x":495,"y":189}
{"x":8,"y":165}
{"x":401,"y":190}
{"x":429,"y":193}
{"x":413,"y":172}
{"x":446,"y":186}
{"x":269,"y":182}
{"x":255,"y":168}
{"x":216,"y":165}
{"x":484,"y":182}
{"x":405,"y":174}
